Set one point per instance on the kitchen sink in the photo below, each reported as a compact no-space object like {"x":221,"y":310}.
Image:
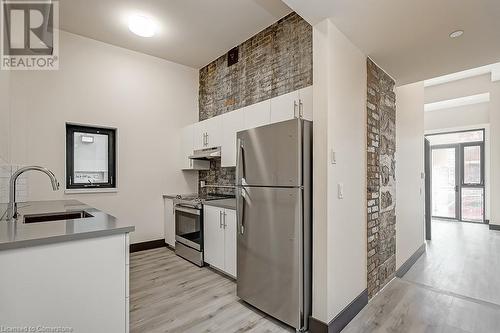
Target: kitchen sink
{"x":35,"y":218}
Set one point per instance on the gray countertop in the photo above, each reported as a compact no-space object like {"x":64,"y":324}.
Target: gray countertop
{"x":16,"y":234}
{"x":222,"y":203}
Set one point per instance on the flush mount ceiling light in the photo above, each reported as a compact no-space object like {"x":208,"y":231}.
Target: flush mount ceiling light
{"x":456,"y":34}
{"x":141,"y":25}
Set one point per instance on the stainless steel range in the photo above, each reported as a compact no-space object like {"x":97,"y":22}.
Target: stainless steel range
{"x":189,"y":226}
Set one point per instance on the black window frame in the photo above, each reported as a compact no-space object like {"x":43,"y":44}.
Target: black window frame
{"x":70,"y":155}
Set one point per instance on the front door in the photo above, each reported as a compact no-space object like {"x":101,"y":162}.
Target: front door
{"x":458,"y":181}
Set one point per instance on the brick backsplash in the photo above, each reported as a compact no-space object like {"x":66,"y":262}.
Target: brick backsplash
{"x":276,"y":61}
{"x":381,"y":178}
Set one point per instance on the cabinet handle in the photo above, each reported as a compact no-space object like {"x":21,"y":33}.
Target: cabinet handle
{"x":295,"y":109}
{"x":220,"y":219}
{"x":224,"y":215}
{"x":301,"y":109}
{"x":207,"y":140}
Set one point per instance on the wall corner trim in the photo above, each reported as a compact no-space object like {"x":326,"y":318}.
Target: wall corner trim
{"x":405,"y":267}
{"x":342,"y":319}
{"x":495,"y":227}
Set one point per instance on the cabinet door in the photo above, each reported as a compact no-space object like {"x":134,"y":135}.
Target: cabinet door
{"x":230,"y":241}
{"x":199,"y":135}
{"x":213,"y":128}
{"x":285,"y":107}
{"x":306,"y":103}
{"x":213,"y":236}
{"x":258,"y":114}
{"x":232,"y":122}
{"x":187,"y":147}
{"x":169,"y":226}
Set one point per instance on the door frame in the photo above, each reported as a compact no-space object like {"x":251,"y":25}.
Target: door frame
{"x":459,"y":172}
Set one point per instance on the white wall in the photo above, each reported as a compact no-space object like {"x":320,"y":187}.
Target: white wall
{"x":409,"y":168}
{"x":5,"y":79}
{"x":484,"y":115}
{"x":339,"y":230}
{"x":5,"y":82}
{"x":148,"y":99}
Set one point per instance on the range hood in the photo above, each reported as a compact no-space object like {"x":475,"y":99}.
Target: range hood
{"x":206,"y":154}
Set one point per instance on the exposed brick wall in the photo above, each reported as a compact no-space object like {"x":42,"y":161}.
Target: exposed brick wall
{"x":275,"y":61}
{"x":381,"y":178}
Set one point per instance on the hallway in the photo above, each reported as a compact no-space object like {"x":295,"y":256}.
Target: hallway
{"x":451,"y":288}
{"x":462,"y":258}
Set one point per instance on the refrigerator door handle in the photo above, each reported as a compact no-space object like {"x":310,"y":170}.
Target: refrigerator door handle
{"x":240,"y":163}
{"x":240,"y":208}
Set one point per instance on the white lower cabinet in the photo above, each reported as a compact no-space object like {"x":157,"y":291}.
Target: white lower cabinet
{"x":79,"y":284}
{"x":219,"y":239}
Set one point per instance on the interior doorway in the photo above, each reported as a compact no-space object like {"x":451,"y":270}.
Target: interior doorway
{"x":457,"y":175}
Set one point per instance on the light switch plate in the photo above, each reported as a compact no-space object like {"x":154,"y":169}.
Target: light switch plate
{"x":333,"y":157}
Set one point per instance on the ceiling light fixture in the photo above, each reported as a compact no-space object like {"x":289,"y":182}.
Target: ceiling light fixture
{"x":456,"y":34}
{"x":141,"y":26}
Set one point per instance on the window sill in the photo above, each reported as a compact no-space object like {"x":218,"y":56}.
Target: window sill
{"x":90,"y":190}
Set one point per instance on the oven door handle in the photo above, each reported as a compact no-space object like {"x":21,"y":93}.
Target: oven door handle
{"x":188,"y":210}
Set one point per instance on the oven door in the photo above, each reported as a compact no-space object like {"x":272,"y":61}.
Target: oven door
{"x":188,"y":227}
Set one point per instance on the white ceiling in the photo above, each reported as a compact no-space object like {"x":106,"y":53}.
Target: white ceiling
{"x":410,"y":38}
{"x":192,"y":32}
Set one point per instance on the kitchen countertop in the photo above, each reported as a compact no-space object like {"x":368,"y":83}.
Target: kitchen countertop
{"x":222,"y":203}
{"x":16,"y":234}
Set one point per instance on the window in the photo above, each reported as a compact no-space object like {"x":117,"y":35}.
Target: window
{"x":90,"y":157}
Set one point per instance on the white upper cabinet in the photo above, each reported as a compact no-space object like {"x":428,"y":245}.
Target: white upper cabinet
{"x":297,"y":104}
{"x":285,"y":107}
{"x":220,"y":131}
{"x":306,"y":103}
{"x":208,"y":133}
{"x":232,"y":122}
{"x":187,"y":147}
{"x":257,"y":114}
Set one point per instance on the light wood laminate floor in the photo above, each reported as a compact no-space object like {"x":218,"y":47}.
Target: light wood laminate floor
{"x":453,"y":287}
{"x":462,"y":258}
{"x":169,"y":294}
{"x":405,"y":307}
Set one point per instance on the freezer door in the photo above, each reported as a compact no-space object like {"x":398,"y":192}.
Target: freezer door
{"x":269,"y":251}
{"x":270,"y":155}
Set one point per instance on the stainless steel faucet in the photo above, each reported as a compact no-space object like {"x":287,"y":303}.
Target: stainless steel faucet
{"x":12,"y":209}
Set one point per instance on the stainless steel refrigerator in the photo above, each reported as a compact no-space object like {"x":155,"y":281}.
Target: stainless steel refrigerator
{"x":273,"y":195}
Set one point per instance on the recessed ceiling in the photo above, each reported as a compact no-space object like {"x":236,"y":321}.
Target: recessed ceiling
{"x":410,"y":39}
{"x":190,"y":32}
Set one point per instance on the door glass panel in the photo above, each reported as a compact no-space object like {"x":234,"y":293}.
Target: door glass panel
{"x":90,"y":158}
{"x":472,"y":165}
{"x":472,"y":204}
{"x":443,"y":183}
